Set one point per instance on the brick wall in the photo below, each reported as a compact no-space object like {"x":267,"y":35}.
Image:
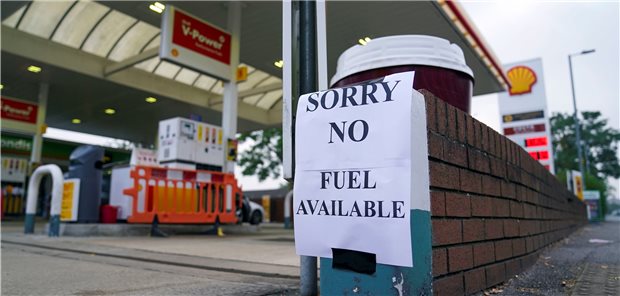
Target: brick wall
{"x":493,"y":207}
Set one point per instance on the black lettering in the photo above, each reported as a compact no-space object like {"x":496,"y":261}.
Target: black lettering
{"x":370,"y":95}
{"x":346,"y":97}
{"x":369,"y":206}
{"x":339,"y":132}
{"x":388,"y":91}
{"x":381,"y":210}
{"x":311,"y":206}
{"x":397,"y":209}
{"x":336,"y":180}
{"x":302,"y":208}
{"x":353,"y":180}
{"x":324,"y":179}
{"x":355,"y":209}
{"x":335,"y":99}
{"x":323,"y":209}
{"x":352,"y":130}
{"x":366,"y":183}
{"x":312,"y":101}
{"x":340,"y":209}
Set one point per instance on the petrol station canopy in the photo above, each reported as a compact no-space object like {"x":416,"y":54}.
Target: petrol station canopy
{"x":87,"y":52}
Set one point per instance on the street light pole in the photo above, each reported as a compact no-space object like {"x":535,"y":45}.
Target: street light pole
{"x":575,"y":117}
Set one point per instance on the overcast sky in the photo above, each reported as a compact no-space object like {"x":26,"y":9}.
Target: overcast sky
{"x":523,"y":30}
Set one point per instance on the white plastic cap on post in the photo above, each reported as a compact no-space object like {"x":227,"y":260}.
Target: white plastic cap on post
{"x":401,"y":50}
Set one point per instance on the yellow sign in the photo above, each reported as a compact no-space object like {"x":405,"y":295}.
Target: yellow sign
{"x":579,"y":187}
{"x":232,"y":150}
{"x":242,"y":73}
{"x":70,"y":200}
{"x":266,"y":201}
{"x":521,"y":79}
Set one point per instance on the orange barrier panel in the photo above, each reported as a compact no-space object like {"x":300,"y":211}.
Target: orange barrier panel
{"x":183,"y":196}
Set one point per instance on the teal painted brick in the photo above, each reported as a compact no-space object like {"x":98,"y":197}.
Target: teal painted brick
{"x":416,"y":280}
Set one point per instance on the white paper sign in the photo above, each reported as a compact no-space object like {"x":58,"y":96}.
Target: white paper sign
{"x":353,"y":170}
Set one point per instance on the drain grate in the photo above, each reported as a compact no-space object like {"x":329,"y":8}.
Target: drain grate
{"x":598,"y":279}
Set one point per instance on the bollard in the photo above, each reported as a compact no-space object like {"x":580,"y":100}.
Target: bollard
{"x":33,"y":192}
{"x":287,"y":209}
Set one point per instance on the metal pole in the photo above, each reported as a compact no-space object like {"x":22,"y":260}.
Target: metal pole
{"x":37,"y":139}
{"x":576,"y":118}
{"x":307,"y":84}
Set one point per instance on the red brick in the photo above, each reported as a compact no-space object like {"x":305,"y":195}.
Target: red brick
{"x":503,"y":249}
{"x":471,"y":135}
{"x":495,"y":274}
{"x":470,"y":181}
{"x":460,"y":258}
{"x":473,"y":230}
{"x":435,"y":145}
{"x":493,"y":229}
{"x":451,"y":125}
{"x":484,"y":253}
{"x":431,"y":111}
{"x":491,"y":186}
{"x":516,"y":209}
{"x":438,"y":203}
{"x":447,"y":232}
{"x":478,"y":161}
{"x":461,"y":123}
{"x":518,"y":246}
{"x":492,"y":134}
{"x":504,"y":148}
{"x":498,"y":148}
{"x":501,"y":207}
{"x":513,"y":172}
{"x":513,"y":267}
{"x":442,"y":117}
{"x":498,"y":167}
{"x":475,"y":280}
{"x":484,"y":139}
{"x":457,"y":205}
{"x":511,"y":227}
{"x":481,"y":206}
{"x":440,"y":262}
{"x":443,"y":175}
{"x":529,"y":244}
{"x":478,"y":135}
{"x":508,"y":189}
{"x":455,"y":152}
{"x":449,"y":286}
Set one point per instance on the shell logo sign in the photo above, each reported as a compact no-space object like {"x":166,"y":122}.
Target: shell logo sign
{"x":521,"y":79}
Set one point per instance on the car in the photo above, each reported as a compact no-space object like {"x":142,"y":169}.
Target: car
{"x":252,"y":212}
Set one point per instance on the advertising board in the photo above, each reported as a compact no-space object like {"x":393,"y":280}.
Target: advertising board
{"x":523,"y":110}
{"x":18,"y":116}
{"x":194,"y":43}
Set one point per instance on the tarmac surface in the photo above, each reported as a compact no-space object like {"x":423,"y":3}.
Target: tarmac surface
{"x":255,"y":263}
{"x":586,"y":263}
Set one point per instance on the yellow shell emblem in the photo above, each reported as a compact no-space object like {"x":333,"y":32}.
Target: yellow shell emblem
{"x":521,"y":80}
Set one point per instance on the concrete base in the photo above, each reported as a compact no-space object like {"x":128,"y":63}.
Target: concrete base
{"x":125,"y":229}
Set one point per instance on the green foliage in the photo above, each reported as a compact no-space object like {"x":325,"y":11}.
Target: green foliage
{"x":600,"y":147}
{"x":599,"y":141}
{"x":264,"y":158}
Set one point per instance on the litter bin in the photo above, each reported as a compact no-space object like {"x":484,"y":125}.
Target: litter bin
{"x":85,"y":164}
{"x":109,"y":214}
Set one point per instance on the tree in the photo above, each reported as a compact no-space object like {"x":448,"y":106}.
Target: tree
{"x":600,"y":147}
{"x":264,"y":158}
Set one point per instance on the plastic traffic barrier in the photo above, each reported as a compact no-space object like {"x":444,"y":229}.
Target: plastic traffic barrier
{"x":177,"y":196}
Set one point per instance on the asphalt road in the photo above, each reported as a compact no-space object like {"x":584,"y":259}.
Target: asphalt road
{"x":586,"y":263}
{"x":37,"y":271}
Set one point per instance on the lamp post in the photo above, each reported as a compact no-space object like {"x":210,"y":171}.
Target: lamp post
{"x":575,"y":117}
